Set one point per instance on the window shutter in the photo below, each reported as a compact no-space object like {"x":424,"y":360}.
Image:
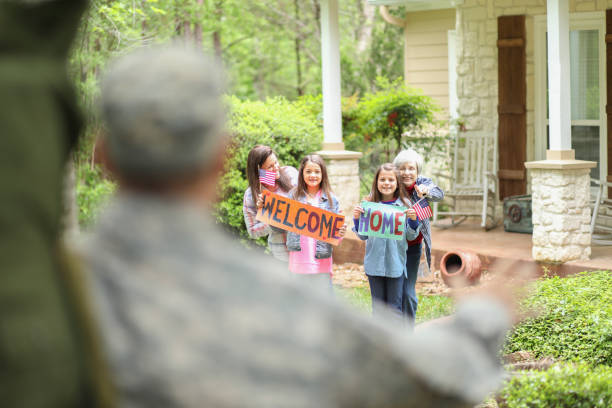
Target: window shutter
{"x":511,"y":108}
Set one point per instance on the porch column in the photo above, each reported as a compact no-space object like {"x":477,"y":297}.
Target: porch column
{"x":560,"y":127}
{"x":561,"y":212}
{"x":342,"y":165}
{"x":330,"y":59}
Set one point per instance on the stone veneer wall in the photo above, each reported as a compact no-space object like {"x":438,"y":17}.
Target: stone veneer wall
{"x":477,"y":57}
{"x":344,"y":178}
{"x":561,"y":215}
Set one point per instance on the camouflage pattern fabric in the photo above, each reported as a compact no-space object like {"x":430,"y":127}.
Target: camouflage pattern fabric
{"x":41,"y":344}
{"x":192,"y":319}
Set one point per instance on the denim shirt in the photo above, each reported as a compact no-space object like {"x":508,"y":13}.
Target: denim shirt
{"x":323,"y":249}
{"x":435,"y":194}
{"x":387,"y":257}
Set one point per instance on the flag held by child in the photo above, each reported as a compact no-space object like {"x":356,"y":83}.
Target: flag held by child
{"x":267,"y":177}
{"x":422,"y":209}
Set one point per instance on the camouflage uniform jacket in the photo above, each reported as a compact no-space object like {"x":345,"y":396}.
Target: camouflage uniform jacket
{"x":190,"y":319}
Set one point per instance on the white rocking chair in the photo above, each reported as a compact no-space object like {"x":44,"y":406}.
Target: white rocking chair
{"x":601,"y":220}
{"x":474,"y":178}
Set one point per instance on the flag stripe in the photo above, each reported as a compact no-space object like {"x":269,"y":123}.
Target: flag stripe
{"x":267,"y":177}
{"x":422,"y":209}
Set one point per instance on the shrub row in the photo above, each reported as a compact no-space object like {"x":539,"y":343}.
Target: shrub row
{"x":573,"y":322}
{"x":561,"y":386}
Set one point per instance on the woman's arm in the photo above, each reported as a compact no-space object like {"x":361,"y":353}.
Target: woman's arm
{"x":254,"y":227}
{"x":434,"y":193}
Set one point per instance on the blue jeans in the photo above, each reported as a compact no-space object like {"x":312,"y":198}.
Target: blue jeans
{"x":410,"y":301}
{"x":386,"y":293}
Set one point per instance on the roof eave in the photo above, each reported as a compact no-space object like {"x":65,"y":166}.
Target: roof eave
{"x":418,"y":5}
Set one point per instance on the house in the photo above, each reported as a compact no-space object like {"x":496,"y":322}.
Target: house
{"x":496,"y":59}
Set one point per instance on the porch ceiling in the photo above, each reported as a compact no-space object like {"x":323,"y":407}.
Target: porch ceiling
{"x":417,"y":5}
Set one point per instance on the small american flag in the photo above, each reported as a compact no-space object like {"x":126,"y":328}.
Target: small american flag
{"x":267,"y":177}
{"x":423,"y":211}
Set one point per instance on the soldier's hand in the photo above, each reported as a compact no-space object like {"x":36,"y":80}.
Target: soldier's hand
{"x":509,"y":285}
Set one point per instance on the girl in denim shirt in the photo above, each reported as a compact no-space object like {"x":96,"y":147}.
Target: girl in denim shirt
{"x":308,"y":257}
{"x":385,"y":259}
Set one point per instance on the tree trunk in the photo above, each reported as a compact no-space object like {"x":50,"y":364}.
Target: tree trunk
{"x":197,"y":27}
{"x":363,"y":33}
{"x":298,"y":52}
{"x":317,"y":15}
{"x":216,"y":35}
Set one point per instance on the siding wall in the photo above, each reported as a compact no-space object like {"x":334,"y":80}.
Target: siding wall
{"x":426,"y":52}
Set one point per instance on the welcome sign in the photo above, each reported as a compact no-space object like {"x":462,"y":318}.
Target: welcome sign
{"x":382,"y":220}
{"x":303,"y":219}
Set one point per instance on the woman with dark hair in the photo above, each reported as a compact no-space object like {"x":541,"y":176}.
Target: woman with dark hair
{"x":285,"y":178}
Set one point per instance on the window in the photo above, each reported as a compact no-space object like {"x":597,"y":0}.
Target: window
{"x":587,"y":84}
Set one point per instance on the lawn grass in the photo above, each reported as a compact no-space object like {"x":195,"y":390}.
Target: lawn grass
{"x":430,"y":306}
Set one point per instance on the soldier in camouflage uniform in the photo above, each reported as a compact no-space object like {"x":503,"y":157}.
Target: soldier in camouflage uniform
{"x":192,"y":319}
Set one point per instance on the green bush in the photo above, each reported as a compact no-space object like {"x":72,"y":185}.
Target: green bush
{"x":290,"y":128}
{"x":574,"y":321}
{"x":92,"y":191}
{"x":382,"y":123}
{"x":561,"y":386}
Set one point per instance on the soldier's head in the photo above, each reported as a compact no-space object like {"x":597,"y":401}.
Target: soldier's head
{"x":164,"y":118}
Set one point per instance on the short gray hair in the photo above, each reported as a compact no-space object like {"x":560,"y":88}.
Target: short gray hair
{"x":409,"y":155}
{"x":163,"y":112}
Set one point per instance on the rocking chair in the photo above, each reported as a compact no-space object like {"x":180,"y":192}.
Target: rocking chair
{"x":474,"y":179}
{"x":601,"y":221}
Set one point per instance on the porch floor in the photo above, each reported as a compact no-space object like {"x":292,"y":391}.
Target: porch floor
{"x":489,"y":245}
{"x":499,"y":244}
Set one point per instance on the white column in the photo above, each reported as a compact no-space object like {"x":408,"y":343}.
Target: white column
{"x":559,"y":75}
{"x":330,"y":57}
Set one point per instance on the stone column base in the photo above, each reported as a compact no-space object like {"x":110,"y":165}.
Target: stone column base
{"x":343,"y":173}
{"x":561,"y":213}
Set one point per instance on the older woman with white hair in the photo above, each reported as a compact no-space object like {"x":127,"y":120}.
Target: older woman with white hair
{"x":409,"y":164}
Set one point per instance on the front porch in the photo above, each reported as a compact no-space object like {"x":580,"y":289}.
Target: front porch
{"x":489,"y":245}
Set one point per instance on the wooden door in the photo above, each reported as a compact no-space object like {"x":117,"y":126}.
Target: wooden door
{"x":511,"y":108}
